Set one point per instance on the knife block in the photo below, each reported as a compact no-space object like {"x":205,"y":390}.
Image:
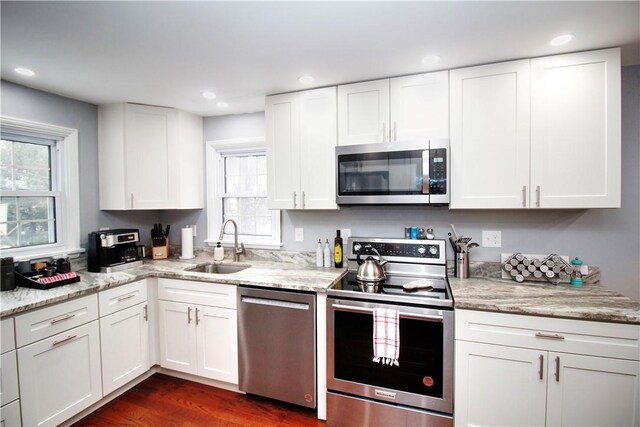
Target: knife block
{"x":160,"y":252}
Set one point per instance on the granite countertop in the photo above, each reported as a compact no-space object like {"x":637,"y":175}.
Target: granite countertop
{"x":589,"y":302}
{"x":293,"y":274}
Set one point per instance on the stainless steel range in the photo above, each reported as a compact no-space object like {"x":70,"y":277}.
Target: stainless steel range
{"x":419,"y":391}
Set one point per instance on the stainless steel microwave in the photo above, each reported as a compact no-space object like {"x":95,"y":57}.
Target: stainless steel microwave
{"x":411,"y":172}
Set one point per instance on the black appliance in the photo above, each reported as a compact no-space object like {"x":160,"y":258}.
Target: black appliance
{"x":113,"y":250}
{"x":8,"y":281}
{"x":412,"y":172}
{"x":419,"y":391}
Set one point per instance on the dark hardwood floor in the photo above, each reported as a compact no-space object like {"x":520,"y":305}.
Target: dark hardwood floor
{"x":162,"y":400}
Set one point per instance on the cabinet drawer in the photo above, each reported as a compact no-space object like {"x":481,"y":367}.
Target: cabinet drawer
{"x":10,"y":415}
{"x":8,"y":341}
{"x":8,"y":378}
{"x":552,"y":334}
{"x":213,"y":294}
{"x":116,"y":299}
{"x":42,"y":323}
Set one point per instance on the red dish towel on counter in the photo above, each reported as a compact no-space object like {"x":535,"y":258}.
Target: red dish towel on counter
{"x":386,"y":336}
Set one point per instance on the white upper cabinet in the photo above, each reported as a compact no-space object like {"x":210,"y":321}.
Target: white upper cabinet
{"x":420,"y":106}
{"x":363,"y":112}
{"x":576,"y":130}
{"x":150,"y":158}
{"x":301,"y":139}
{"x":490,"y":136}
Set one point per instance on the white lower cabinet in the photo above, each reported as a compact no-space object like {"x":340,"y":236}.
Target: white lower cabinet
{"x":10,"y":415}
{"x":60,"y":375}
{"x":198,"y":339}
{"x":124,"y":338}
{"x":533,"y":384}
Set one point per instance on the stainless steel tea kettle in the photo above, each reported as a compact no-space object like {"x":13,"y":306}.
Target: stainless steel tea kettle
{"x":370,"y":269}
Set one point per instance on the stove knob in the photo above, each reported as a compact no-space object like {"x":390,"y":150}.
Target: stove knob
{"x":357,"y":247}
{"x":421,"y":250}
{"x":433,"y":250}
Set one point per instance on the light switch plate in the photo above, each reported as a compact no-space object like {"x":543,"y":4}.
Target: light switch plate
{"x":193,"y":227}
{"x":491,"y":239}
{"x":345,"y":233}
{"x":299,"y":234}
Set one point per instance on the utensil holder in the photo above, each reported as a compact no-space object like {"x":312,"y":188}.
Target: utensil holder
{"x":160,"y":252}
{"x":462,"y":265}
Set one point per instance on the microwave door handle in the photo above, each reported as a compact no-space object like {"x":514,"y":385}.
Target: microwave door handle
{"x":425,"y":172}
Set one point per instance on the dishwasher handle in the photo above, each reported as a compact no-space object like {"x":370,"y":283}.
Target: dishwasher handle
{"x":274,"y":303}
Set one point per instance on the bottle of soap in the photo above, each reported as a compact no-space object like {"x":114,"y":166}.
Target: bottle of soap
{"x":337,"y":250}
{"x":218,"y":253}
{"x":327,"y":254}
{"x":319,"y":253}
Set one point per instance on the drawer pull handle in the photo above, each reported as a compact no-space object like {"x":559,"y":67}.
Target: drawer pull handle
{"x":69,"y":338}
{"x":188,"y":315}
{"x":126,"y":297}
{"x":197,"y":318}
{"x":557,"y":369}
{"x":549,"y":336}
{"x":63,"y":318}
{"x":541,"y":368}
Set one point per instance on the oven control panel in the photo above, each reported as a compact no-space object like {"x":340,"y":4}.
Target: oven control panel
{"x":426,"y":249}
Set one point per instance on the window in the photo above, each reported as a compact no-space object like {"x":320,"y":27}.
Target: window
{"x":237,"y":187}
{"x":39,"y":204}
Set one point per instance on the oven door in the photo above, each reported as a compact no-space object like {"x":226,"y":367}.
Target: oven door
{"x":424,"y":377}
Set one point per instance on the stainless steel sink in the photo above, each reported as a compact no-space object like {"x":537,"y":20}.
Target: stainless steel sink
{"x":219,"y":268}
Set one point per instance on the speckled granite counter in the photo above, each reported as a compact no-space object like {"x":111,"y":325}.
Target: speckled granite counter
{"x":273,"y":274}
{"x":590,"y":302}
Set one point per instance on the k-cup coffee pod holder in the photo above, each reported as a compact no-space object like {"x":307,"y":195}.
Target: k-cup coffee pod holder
{"x":551,"y":268}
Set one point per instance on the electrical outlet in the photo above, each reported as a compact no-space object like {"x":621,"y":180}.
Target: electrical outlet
{"x":345,"y":233}
{"x":491,"y":239}
{"x":299,"y":234}
{"x":194,"y":230}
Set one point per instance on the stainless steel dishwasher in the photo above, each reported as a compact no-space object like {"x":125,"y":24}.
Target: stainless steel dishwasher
{"x":277,"y":344}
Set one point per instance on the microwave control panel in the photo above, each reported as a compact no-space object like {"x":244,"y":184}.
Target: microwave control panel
{"x":438,"y":171}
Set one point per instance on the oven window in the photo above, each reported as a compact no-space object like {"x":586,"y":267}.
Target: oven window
{"x":420,"y":357}
{"x":370,"y":174}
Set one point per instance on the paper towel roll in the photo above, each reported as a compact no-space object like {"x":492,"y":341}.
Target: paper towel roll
{"x":187,"y":243}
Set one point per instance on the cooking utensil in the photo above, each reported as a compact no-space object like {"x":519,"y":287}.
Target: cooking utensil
{"x":472,"y":245}
{"x":370,"y":269}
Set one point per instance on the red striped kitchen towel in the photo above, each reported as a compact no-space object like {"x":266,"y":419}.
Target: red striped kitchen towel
{"x":57,"y":277}
{"x":386,"y":336}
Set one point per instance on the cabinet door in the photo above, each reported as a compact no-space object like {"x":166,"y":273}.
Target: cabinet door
{"x":283,"y":151}
{"x":318,"y":139}
{"x":490,"y":136}
{"x":592,"y":391}
{"x":177,"y":336}
{"x":363,"y":112}
{"x":217,"y":338}
{"x":420,"y":106}
{"x":8,"y":378}
{"x":576,"y":130}
{"x":125,"y":346}
{"x":10,"y":415}
{"x":60,"y":375}
{"x":499,"y":386}
{"x":150,"y":135}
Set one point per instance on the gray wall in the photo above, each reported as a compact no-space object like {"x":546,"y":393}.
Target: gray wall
{"x":35,"y":105}
{"x":608,"y":238}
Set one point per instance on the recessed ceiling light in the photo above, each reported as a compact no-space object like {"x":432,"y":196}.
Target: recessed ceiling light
{"x":222,"y":104}
{"x":24,"y":71}
{"x":561,"y":39}
{"x":430,"y":60}
{"x":208,"y":95}
{"x":306,"y":80}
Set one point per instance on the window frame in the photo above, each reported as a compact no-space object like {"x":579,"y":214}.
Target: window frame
{"x":65,"y":172}
{"x":216,"y":151}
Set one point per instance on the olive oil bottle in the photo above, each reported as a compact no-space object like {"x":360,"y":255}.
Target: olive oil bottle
{"x":337,"y":250}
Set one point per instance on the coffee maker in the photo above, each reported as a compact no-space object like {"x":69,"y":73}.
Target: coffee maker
{"x":113,"y":250}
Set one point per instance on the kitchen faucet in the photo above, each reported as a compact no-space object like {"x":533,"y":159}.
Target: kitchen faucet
{"x":237,"y":251}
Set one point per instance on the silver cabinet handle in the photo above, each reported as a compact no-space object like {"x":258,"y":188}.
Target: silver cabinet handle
{"x":415,"y":316}
{"x":146,"y":313}
{"x":558,"y":369}
{"x":131,"y":197}
{"x":538,"y":196}
{"x":188,"y":315}
{"x":63,"y":318}
{"x":541,"y":368}
{"x":384,"y":132}
{"x":69,"y":338}
{"x":295,"y":196}
{"x":395,"y":131}
{"x":126,"y":297}
{"x":549,"y":336}
{"x":304,"y":196}
{"x":524,"y":196}
{"x":197,"y":319}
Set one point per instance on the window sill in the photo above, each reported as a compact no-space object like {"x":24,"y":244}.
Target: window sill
{"x":270,"y":244}
{"x":52,"y":253}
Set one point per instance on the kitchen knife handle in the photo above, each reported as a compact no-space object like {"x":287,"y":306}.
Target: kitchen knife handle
{"x":188,"y":315}
{"x":524,"y":196}
{"x":541,"y":367}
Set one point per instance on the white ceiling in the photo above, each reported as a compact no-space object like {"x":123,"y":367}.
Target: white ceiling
{"x":168,"y":53}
